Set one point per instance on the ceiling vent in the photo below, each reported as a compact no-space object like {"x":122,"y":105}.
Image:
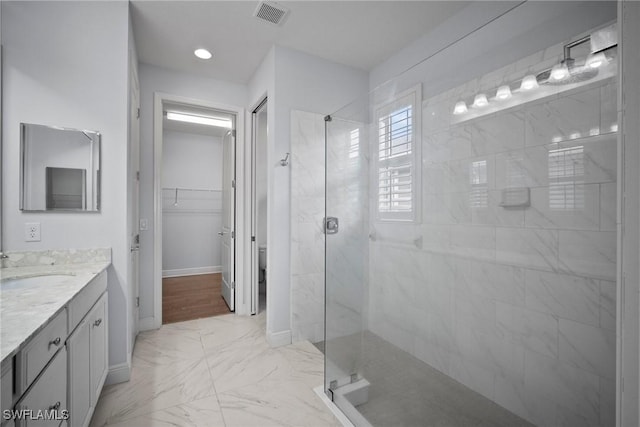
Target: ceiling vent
{"x":271,"y":12}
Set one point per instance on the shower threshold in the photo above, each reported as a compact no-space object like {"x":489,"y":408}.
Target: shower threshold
{"x":343,"y":406}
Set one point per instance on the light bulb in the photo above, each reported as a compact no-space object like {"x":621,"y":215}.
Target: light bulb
{"x":504,"y":92}
{"x":460,"y":108}
{"x":202,"y":53}
{"x":480,"y":100}
{"x":595,"y":60}
{"x":559,"y":72}
{"x":529,"y":82}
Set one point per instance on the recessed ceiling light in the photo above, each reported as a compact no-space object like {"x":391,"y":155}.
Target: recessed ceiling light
{"x":202,"y":53}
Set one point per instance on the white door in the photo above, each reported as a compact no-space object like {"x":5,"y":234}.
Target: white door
{"x":228,"y":218}
{"x":134,"y":205}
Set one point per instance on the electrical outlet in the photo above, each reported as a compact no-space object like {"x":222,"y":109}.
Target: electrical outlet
{"x":32,"y":232}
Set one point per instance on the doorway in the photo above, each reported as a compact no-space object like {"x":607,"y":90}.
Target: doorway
{"x":195,"y":181}
{"x":259,"y":239}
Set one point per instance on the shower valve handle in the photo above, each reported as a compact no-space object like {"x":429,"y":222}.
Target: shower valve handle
{"x":331,"y":225}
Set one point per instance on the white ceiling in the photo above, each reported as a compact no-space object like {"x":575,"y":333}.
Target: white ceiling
{"x":360,"y":34}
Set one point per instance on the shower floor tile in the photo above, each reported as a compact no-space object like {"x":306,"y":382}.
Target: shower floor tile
{"x":405,"y":391}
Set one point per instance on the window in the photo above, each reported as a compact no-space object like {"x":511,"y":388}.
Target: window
{"x":479,"y":187}
{"x":566,"y":178}
{"x":354,"y":144}
{"x":398,"y":158}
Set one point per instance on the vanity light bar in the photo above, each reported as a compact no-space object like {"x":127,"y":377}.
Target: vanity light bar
{"x":503,"y":93}
{"x":201,"y":120}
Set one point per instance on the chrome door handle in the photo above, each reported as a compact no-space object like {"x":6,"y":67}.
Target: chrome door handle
{"x":220,"y":233}
{"x":135,"y":248}
{"x":55,"y":342}
{"x":97,"y":322}
{"x":55,"y":407}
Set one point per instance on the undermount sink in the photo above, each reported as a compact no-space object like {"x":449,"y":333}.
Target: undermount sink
{"x":27,"y":282}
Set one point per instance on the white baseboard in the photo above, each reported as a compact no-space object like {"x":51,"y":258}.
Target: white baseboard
{"x":192,"y":271}
{"x":147,"y":324}
{"x":279,"y":339}
{"x":118,"y":373}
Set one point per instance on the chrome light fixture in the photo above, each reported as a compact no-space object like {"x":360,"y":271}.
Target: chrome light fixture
{"x":460,"y":108}
{"x":595,"y":60}
{"x":559,"y":72}
{"x":504,"y":92}
{"x":529,"y":83}
{"x":480,"y":100}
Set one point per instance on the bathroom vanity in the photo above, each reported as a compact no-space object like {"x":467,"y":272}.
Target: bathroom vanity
{"x":54,"y":343}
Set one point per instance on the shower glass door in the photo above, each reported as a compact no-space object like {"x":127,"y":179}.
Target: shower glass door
{"x":471,"y":231}
{"x":346,"y":254}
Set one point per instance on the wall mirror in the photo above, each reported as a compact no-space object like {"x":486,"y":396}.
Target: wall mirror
{"x":60,"y":169}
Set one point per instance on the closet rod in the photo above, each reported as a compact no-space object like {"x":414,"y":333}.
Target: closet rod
{"x":191,"y":189}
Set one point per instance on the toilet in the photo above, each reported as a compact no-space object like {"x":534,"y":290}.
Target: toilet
{"x":262,"y":263}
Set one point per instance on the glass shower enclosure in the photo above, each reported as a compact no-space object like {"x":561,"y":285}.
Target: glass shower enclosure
{"x":470,"y":238}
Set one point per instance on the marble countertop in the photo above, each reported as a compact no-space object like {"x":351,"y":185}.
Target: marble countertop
{"x":26,"y":310}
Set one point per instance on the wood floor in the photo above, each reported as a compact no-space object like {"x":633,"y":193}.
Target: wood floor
{"x":192,"y":297}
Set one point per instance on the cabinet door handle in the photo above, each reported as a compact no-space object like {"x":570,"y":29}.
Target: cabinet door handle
{"x":97,"y":322}
{"x":55,"y":342}
{"x":55,"y":407}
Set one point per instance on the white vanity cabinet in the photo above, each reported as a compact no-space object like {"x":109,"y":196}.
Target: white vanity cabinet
{"x":88,"y":361}
{"x":99,"y":339}
{"x":63,"y":366}
{"x":6,"y":391}
{"x":79,"y":348}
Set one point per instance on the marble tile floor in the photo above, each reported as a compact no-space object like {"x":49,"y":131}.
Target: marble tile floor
{"x":213,"y":372}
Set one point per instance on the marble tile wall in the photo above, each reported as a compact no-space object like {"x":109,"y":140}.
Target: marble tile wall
{"x":348,"y":178}
{"x":307,"y":212}
{"x":516,"y":303}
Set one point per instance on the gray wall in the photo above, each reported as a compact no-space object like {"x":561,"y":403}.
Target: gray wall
{"x":54,"y":76}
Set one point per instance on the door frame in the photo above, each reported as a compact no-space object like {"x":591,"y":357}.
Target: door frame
{"x":159,"y":99}
{"x":253,"y":211}
{"x":228,"y":184}
{"x":133,"y":212}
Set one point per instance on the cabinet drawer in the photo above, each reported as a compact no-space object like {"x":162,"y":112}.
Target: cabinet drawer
{"x":41,"y":348}
{"x":49,"y":391}
{"x":6,"y":388}
{"x":82,"y":303}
